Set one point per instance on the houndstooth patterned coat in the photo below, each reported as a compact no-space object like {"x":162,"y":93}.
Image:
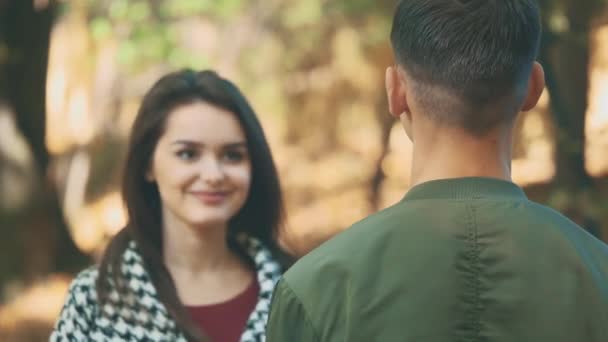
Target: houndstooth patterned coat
{"x":144,"y":318}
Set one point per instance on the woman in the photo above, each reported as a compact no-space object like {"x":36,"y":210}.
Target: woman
{"x":198,"y":258}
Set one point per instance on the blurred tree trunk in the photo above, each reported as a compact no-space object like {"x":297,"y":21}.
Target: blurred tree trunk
{"x":386,"y":124}
{"x":40,"y":229}
{"x":382,"y":54}
{"x":565,"y":56}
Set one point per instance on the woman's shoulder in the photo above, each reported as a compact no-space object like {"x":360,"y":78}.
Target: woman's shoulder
{"x":85,"y":280}
{"x":87,"y":276}
{"x":76,"y":317}
{"x":82,"y":291}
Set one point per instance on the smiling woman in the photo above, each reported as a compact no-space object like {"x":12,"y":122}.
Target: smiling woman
{"x":201,"y":166}
{"x":199,"y":257}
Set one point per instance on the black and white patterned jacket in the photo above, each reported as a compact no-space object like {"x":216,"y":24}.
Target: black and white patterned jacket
{"x":145,"y":318}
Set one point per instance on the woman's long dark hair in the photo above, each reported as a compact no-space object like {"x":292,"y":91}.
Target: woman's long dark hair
{"x":261,"y":216}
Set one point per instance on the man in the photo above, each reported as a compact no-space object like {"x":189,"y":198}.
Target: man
{"x":465,"y":256}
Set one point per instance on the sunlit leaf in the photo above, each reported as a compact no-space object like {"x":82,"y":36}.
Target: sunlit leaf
{"x":227,"y":8}
{"x":119,"y":9}
{"x":100,"y":28}
{"x":177,"y":8}
{"x":180,"y":58}
{"x":127,"y":53}
{"x":139,"y":11}
{"x":303,"y":13}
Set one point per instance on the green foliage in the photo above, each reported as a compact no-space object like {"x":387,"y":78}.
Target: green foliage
{"x":119,"y":10}
{"x":185,"y":8}
{"x":101,"y":28}
{"x":146,"y":45}
{"x":182,"y":8}
{"x":302,"y":13}
{"x":146,"y":29}
{"x":180,"y":58}
{"x":145,"y":40}
{"x":376,"y":30}
{"x":361,"y":8}
{"x":227,"y":8}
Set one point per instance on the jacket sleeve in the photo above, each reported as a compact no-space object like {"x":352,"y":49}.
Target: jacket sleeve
{"x":288,"y":320}
{"x":75,"y":320}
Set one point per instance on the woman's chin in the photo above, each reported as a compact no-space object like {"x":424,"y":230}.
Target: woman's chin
{"x":206,"y":223}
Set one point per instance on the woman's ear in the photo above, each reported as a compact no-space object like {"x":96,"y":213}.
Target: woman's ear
{"x":150,"y":175}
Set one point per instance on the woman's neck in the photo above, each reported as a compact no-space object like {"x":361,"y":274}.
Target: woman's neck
{"x":204,"y":269}
{"x":195,"y":248}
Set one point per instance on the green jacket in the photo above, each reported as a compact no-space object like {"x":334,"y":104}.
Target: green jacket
{"x":467,"y":259}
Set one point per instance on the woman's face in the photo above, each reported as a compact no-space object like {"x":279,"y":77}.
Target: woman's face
{"x":201,"y":166}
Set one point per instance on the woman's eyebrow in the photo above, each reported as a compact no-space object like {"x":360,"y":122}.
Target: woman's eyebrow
{"x":235,"y":144}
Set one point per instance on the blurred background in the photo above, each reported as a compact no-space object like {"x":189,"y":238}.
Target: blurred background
{"x":72,"y":74}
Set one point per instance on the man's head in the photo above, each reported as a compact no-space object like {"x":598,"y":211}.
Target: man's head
{"x":468,"y":64}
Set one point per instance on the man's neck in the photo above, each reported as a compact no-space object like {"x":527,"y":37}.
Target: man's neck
{"x":452,"y":153}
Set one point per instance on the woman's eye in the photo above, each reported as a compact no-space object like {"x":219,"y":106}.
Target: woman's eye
{"x":234,"y":156}
{"x":186,"y":154}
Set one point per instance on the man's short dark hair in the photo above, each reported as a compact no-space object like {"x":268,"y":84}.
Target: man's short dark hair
{"x":470,"y":59}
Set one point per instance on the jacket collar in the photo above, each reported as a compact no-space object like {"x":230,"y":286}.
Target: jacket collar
{"x":466,"y":188}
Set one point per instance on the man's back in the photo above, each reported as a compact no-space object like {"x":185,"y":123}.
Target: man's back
{"x":468,"y":259}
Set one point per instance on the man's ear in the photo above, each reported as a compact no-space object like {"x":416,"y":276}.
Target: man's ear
{"x":395,"y":92}
{"x":536,"y":85}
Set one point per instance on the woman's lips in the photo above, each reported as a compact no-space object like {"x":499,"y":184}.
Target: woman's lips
{"x":211,"y":197}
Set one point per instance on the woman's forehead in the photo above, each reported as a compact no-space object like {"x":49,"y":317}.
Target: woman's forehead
{"x":204,"y":123}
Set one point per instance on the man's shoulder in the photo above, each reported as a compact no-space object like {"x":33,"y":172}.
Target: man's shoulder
{"x":564,"y":226}
{"x":561,"y":239}
{"x":341,"y":256}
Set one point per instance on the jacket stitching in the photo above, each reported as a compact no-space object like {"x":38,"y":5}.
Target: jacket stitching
{"x":474,"y":281}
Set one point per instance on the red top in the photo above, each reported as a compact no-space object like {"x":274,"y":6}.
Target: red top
{"x":226,"y":321}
